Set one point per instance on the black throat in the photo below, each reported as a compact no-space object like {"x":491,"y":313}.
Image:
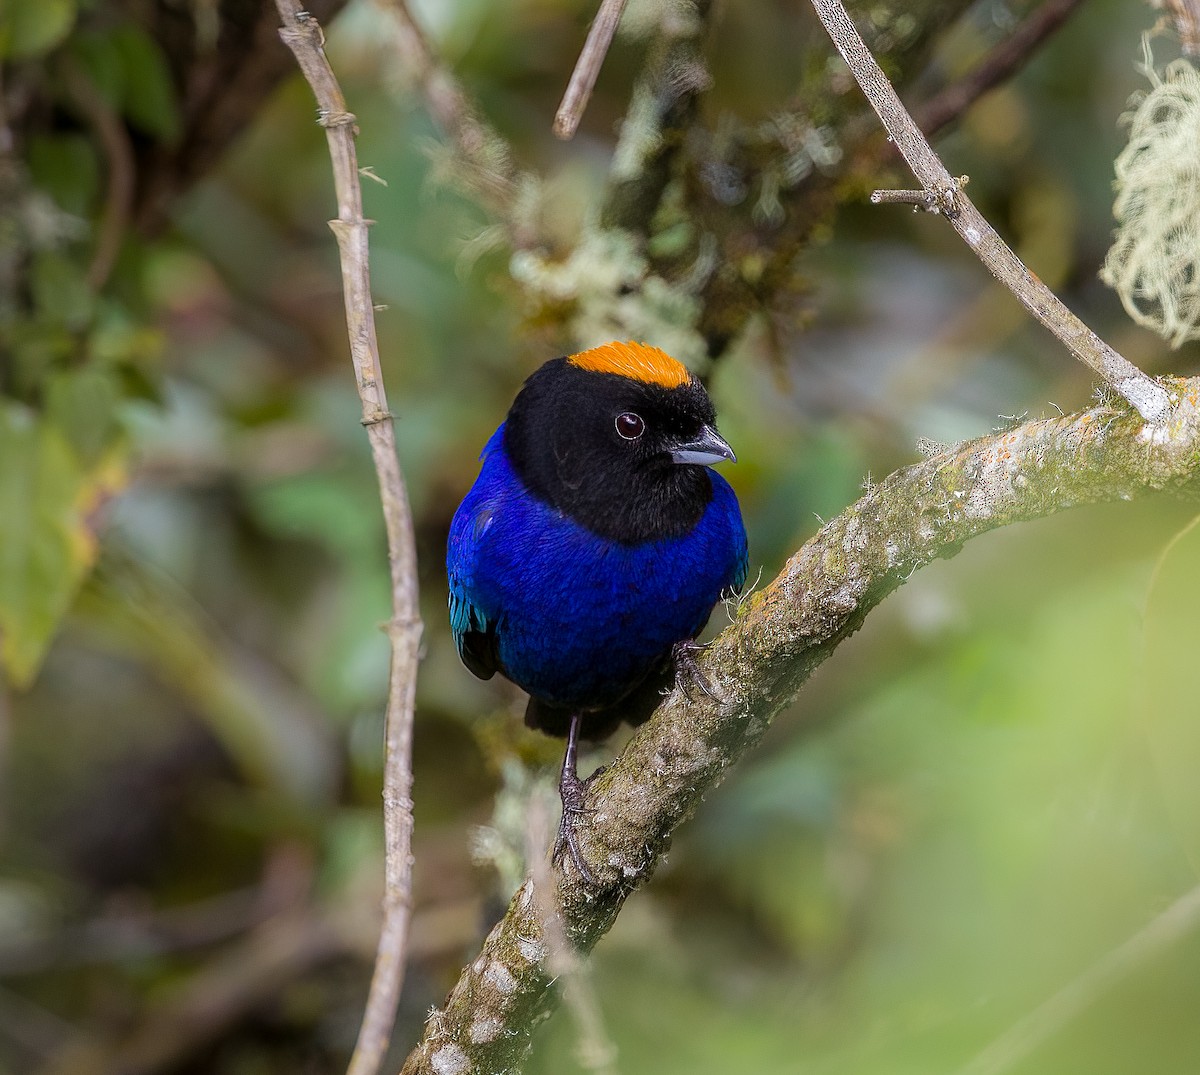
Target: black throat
{"x":559,"y":439}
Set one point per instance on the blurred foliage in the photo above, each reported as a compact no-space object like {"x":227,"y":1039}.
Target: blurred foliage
{"x":979,"y":796}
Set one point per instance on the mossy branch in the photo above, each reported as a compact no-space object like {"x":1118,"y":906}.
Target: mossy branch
{"x":779,"y":636}
{"x":661,"y":112}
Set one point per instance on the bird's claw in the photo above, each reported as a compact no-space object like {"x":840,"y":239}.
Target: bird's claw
{"x":687,"y":671}
{"x":573,"y":792}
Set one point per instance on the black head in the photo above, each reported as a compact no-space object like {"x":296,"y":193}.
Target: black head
{"x":619,"y":438}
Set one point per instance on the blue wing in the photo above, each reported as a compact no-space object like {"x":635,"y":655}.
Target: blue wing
{"x":474,"y":631}
{"x":474,"y":636}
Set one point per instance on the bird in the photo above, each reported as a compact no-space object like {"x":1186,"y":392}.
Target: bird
{"x":593,"y":546}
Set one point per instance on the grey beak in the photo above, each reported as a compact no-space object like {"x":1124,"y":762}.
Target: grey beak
{"x":704,"y":450}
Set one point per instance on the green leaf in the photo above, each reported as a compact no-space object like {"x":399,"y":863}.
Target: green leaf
{"x":132,"y":351}
{"x":64,"y":166}
{"x":147,"y":93}
{"x":61,"y":292}
{"x":45,"y":547}
{"x":128,"y":70}
{"x":82,"y":403}
{"x":29,"y":28}
{"x":37,"y":348}
{"x":325,"y":508}
{"x":100,"y":59}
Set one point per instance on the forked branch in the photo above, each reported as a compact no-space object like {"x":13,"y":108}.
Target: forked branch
{"x":945,"y":195}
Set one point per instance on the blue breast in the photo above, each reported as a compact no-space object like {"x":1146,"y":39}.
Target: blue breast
{"x":572,"y":618}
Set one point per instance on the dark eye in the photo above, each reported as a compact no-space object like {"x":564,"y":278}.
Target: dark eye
{"x":630,"y":425}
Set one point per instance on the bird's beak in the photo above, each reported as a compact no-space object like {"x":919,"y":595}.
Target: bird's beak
{"x":705,"y":450}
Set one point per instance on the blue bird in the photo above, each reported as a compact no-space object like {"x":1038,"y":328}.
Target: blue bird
{"x":595,"y":541}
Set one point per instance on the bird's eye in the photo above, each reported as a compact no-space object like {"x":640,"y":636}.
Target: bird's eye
{"x":630,"y":425}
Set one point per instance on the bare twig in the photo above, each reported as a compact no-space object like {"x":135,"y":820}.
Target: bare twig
{"x":480,"y":148}
{"x":132,"y":933}
{"x":1024,"y":1036}
{"x":1149,"y":398}
{"x":942,"y":201}
{"x":780,"y":634}
{"x":587,"y":68}
{"x":815,"y":178}
{"x":1000,"y":63}
{"x":303,"y":36}
{"x":118,"y":153}
{"x":202,"y":1007}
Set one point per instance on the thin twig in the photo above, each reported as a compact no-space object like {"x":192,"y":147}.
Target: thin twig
{"x":729,"y":299}
{"x":1149,"y":398}
{"x":587,"y":68}
{"x":198,"y":1010}
{"x":118,"y":153}
{"x":1000,"y":63}
{"x":303,"y":36}
{"x":918,"y":199}
{"x":479,"y":147}
{"x":1024,"y":1036}
{"x":943,"y":201}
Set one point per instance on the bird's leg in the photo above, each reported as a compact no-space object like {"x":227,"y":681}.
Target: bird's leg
{"x":683,"y":653}
{"x":573,"y":791}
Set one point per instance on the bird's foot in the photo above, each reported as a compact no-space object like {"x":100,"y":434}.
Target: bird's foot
{"x":574,"y":793}
{"x":687,"y":671}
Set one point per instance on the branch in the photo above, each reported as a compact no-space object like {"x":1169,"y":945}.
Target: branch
{"x":766,"y":190}
{"x":1149,"y":398}
{"x":587,"y":68}
{"x":1002,"y":62}
{"x":224,"y":60}
{"x":118,"y":153}
{"x":197,"y":1011}
{"x":303,"y":36}
{"x":485,"y":154}
{"x":660,"y":114}
{"x":779,"y":636}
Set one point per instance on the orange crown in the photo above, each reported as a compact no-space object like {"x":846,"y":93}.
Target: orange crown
{"x":637,"y":360}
